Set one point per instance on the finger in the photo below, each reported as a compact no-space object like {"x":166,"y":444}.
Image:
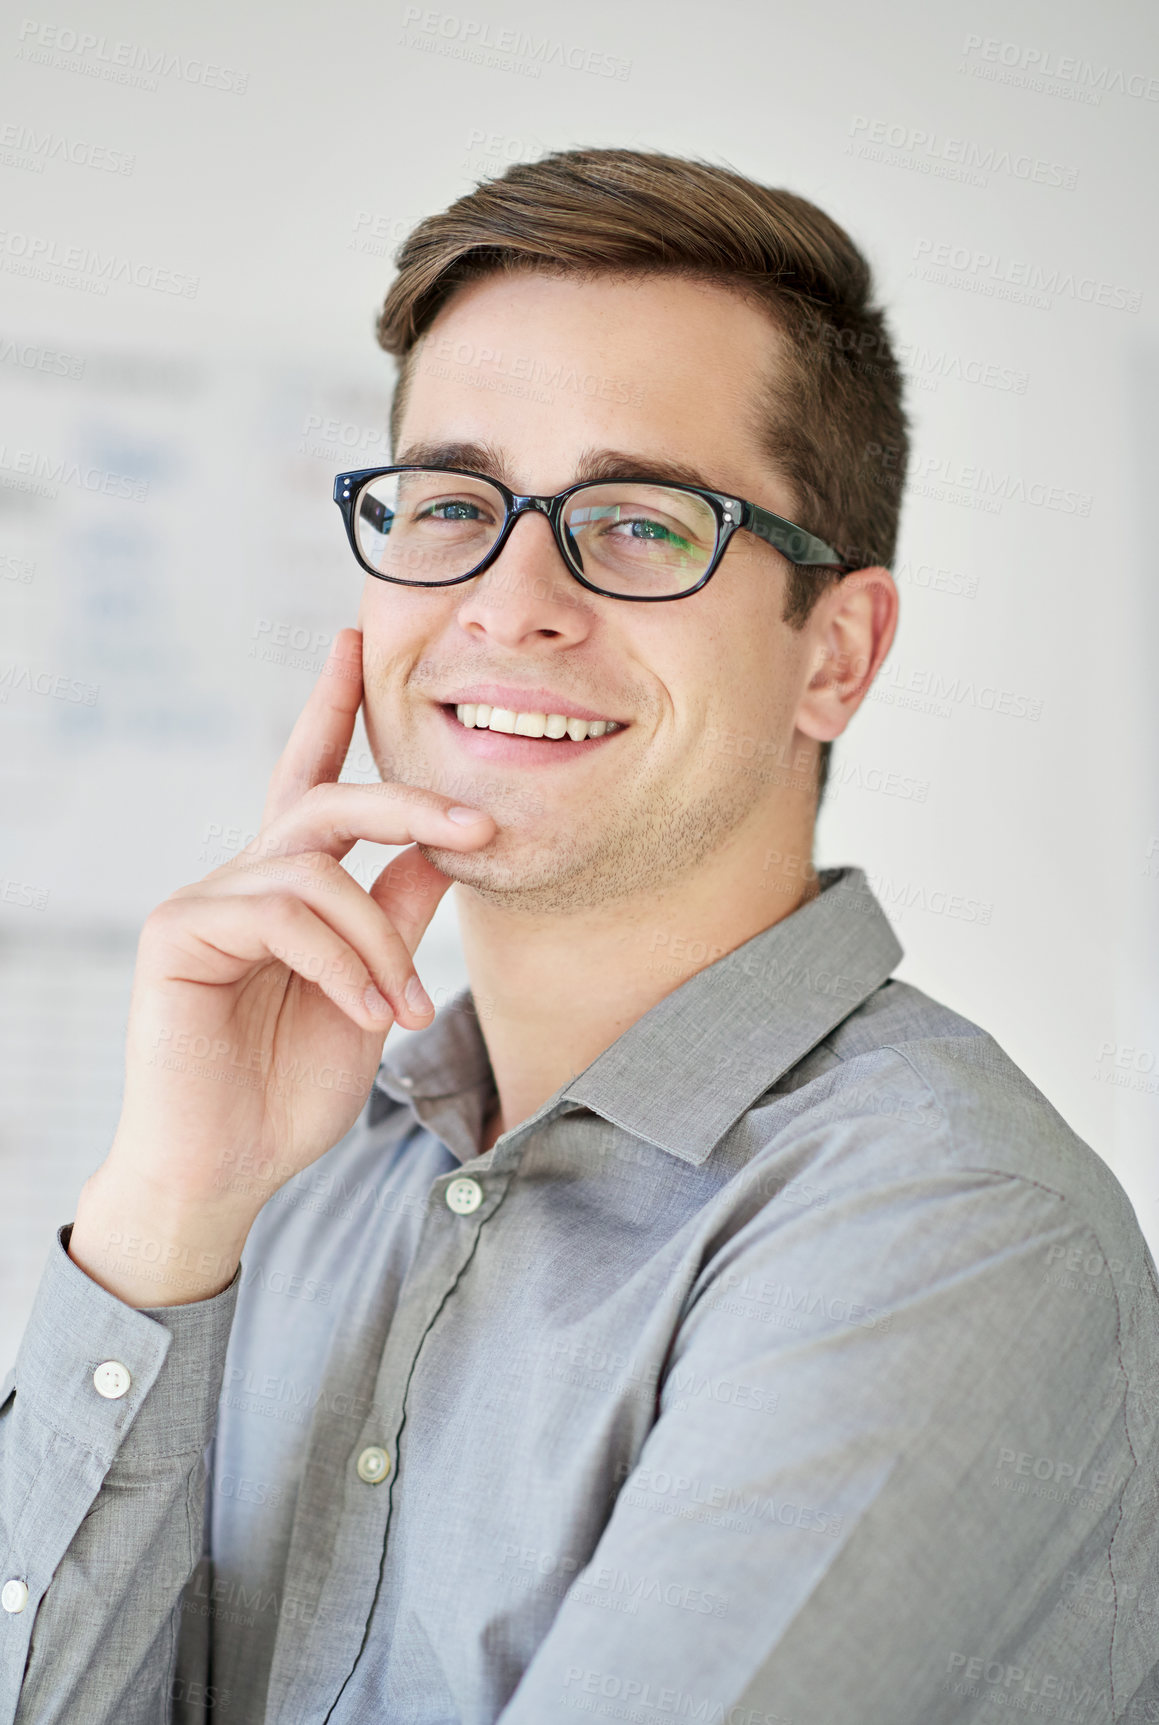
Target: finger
{"x":333,"y":817}
{"x":409,"y":890}
{"x":334,"y":896}
{"x":227,"y":936}
{"x":321,"y":736}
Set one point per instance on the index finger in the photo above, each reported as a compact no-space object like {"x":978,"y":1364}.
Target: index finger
{"x":321,"y":735}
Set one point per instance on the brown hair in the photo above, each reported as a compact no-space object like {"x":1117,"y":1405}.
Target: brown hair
{"x":836,"y":404}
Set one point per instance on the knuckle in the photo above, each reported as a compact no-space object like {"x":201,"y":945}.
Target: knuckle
{"x":319,"y":863}
{"x":163,"y":919}
{"x":282,"y":910}
{"x":318,"y":796}
{"x":263,"y":843}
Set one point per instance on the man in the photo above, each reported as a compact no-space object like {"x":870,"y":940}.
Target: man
{"x":691,"y":1321}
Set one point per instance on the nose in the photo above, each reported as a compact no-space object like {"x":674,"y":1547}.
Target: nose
{"x":528,"y":594}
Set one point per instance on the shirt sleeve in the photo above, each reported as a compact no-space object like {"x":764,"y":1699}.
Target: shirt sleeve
{"x":103,"y":1427}
{"x":839,"y":1513}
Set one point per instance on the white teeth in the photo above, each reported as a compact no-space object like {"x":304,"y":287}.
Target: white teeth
{"x":481,"y":717}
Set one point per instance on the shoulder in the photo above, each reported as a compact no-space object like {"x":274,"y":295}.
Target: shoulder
{"x":907,"y":1093}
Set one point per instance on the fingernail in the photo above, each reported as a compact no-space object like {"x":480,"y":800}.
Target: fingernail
{"x":464,"y":816}
{"x":417,"y":997}
{"x":377,"y":1003}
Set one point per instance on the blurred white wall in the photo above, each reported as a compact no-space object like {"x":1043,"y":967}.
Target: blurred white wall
{"x":198,"y":207}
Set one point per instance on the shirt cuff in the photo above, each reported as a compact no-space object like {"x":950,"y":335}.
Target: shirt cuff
{"x":157,"y":1371}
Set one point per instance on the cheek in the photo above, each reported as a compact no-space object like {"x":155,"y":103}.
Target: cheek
{"x":389,"y":610}
{"x":754,"y":684}
{"x":399,"y":627}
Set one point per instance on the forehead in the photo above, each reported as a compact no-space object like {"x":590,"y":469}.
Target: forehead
{"x":548,"y":366}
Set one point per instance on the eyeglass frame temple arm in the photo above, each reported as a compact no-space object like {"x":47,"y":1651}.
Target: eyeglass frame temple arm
{"x":804,"y":549}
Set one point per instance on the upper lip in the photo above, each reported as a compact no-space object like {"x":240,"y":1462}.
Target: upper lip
{"x":524,"y":701}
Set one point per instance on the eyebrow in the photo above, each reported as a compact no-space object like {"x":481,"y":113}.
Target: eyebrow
{"x":593,"y":464}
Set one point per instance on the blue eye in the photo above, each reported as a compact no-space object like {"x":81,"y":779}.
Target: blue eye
{"x":457,"y":510}
{"x":642,"y":529}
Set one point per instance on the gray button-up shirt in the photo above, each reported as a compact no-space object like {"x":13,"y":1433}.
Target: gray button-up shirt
{"x":794,"y":1362}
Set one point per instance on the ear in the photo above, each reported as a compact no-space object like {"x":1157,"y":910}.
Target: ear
{"x":851,"y":627}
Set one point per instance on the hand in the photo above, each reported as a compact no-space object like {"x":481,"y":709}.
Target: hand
{"x":261,"y":999}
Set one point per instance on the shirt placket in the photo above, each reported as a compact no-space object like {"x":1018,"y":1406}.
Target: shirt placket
{"x":326,"y":1615}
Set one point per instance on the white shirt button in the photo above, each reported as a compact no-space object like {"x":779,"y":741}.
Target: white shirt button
{"x":111,"y":1380}
{"x":407,"y":1083}
{"x":464,"y":1195}
{"x":14,"y":1596}
{"x":373,"y":1465}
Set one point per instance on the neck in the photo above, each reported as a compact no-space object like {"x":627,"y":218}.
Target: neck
{"x":553,"y":992}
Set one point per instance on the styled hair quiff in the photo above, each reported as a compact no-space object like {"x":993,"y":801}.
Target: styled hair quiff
{"x":833,"y":422}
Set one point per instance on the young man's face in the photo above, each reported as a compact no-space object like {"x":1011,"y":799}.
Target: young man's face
{"x":707,"y":689}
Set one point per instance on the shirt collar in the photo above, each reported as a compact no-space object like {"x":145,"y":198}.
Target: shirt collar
{"x":697,"y":1060}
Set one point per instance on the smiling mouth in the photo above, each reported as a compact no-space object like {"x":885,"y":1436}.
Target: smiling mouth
{"x":559,"y":727}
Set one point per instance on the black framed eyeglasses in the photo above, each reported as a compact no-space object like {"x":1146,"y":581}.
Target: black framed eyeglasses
{"x":624,"y":538}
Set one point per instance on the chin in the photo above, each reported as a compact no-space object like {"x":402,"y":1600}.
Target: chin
{"x":484,"y":869}
{"x":522,"y":880}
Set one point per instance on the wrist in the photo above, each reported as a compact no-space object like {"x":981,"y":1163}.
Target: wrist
{"x":153,"y":1249}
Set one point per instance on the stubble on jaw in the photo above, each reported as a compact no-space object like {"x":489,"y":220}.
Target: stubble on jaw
{"x":636,"y":854}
